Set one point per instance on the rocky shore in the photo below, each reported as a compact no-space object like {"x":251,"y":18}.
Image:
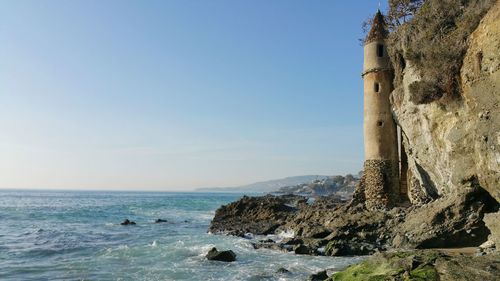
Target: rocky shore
{"x":329,"y":226}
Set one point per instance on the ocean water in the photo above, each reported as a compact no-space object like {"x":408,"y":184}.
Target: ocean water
{"x":71,"y":235}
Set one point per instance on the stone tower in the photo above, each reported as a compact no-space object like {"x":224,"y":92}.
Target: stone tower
{"x":380,"y":182}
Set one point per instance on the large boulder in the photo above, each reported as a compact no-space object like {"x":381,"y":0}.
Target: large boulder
{"x":301,"y":250}
{"x":453,"y":221}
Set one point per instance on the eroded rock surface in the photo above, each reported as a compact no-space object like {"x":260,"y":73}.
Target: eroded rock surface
{"x":453,"y":221}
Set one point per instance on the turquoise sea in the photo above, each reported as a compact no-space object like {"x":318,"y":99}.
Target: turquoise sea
{"x":73,"y":235}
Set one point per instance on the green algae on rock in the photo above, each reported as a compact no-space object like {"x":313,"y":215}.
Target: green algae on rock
{"x":422,"y":265}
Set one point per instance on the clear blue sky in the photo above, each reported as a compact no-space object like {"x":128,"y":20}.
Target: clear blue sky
{"x":178,"y":94}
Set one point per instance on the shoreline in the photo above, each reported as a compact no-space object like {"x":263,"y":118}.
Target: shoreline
{"x":331,"y":227}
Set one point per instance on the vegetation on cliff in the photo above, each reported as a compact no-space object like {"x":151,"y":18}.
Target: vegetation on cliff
{"x":434,"y":40}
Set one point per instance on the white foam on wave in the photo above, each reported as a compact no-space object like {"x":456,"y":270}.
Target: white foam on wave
{"x":202,"y":250}
{"x":289,"y":233}
{"x":113,"y":250}
{"x":122,"y":247}
{"x":179,"y":244}
{"x":154,"y":244}
{"x":186,"y":250}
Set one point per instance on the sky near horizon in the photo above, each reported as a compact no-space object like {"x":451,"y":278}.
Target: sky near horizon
{"x":178,"y":94}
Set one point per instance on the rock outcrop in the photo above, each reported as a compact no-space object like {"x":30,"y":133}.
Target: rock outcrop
{"x":256,"y":215}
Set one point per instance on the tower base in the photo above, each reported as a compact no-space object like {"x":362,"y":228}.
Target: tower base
{"x":379,"y":185}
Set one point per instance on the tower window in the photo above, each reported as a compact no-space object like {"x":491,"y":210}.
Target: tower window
{"x":380,"y":50}
{"x":376,"y":87}
{"x":380,"y":123}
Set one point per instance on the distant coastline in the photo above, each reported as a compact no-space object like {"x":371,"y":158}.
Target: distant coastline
{"x":265,"y":186}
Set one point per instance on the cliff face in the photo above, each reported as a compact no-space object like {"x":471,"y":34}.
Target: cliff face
{"x":455,"y":144}
{"x":452,"y":144}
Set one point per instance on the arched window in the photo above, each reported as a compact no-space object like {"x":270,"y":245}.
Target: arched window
{"x":380,"y":50}
{"x":376,"y":87}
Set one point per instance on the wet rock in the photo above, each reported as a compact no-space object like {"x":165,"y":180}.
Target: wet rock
{"x":301,"y":250}
{"x":292,"y":241}
{"x":127,"y":222}
{"x":282,"y":270}
{"x":160,"y":220}
{"x":225,"y":256}
{"x":319,"y":276}
{"x":272,"y":246}
{"x":348,"y":248}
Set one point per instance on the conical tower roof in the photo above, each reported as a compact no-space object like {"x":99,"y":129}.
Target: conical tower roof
{"x":378,"y":30}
